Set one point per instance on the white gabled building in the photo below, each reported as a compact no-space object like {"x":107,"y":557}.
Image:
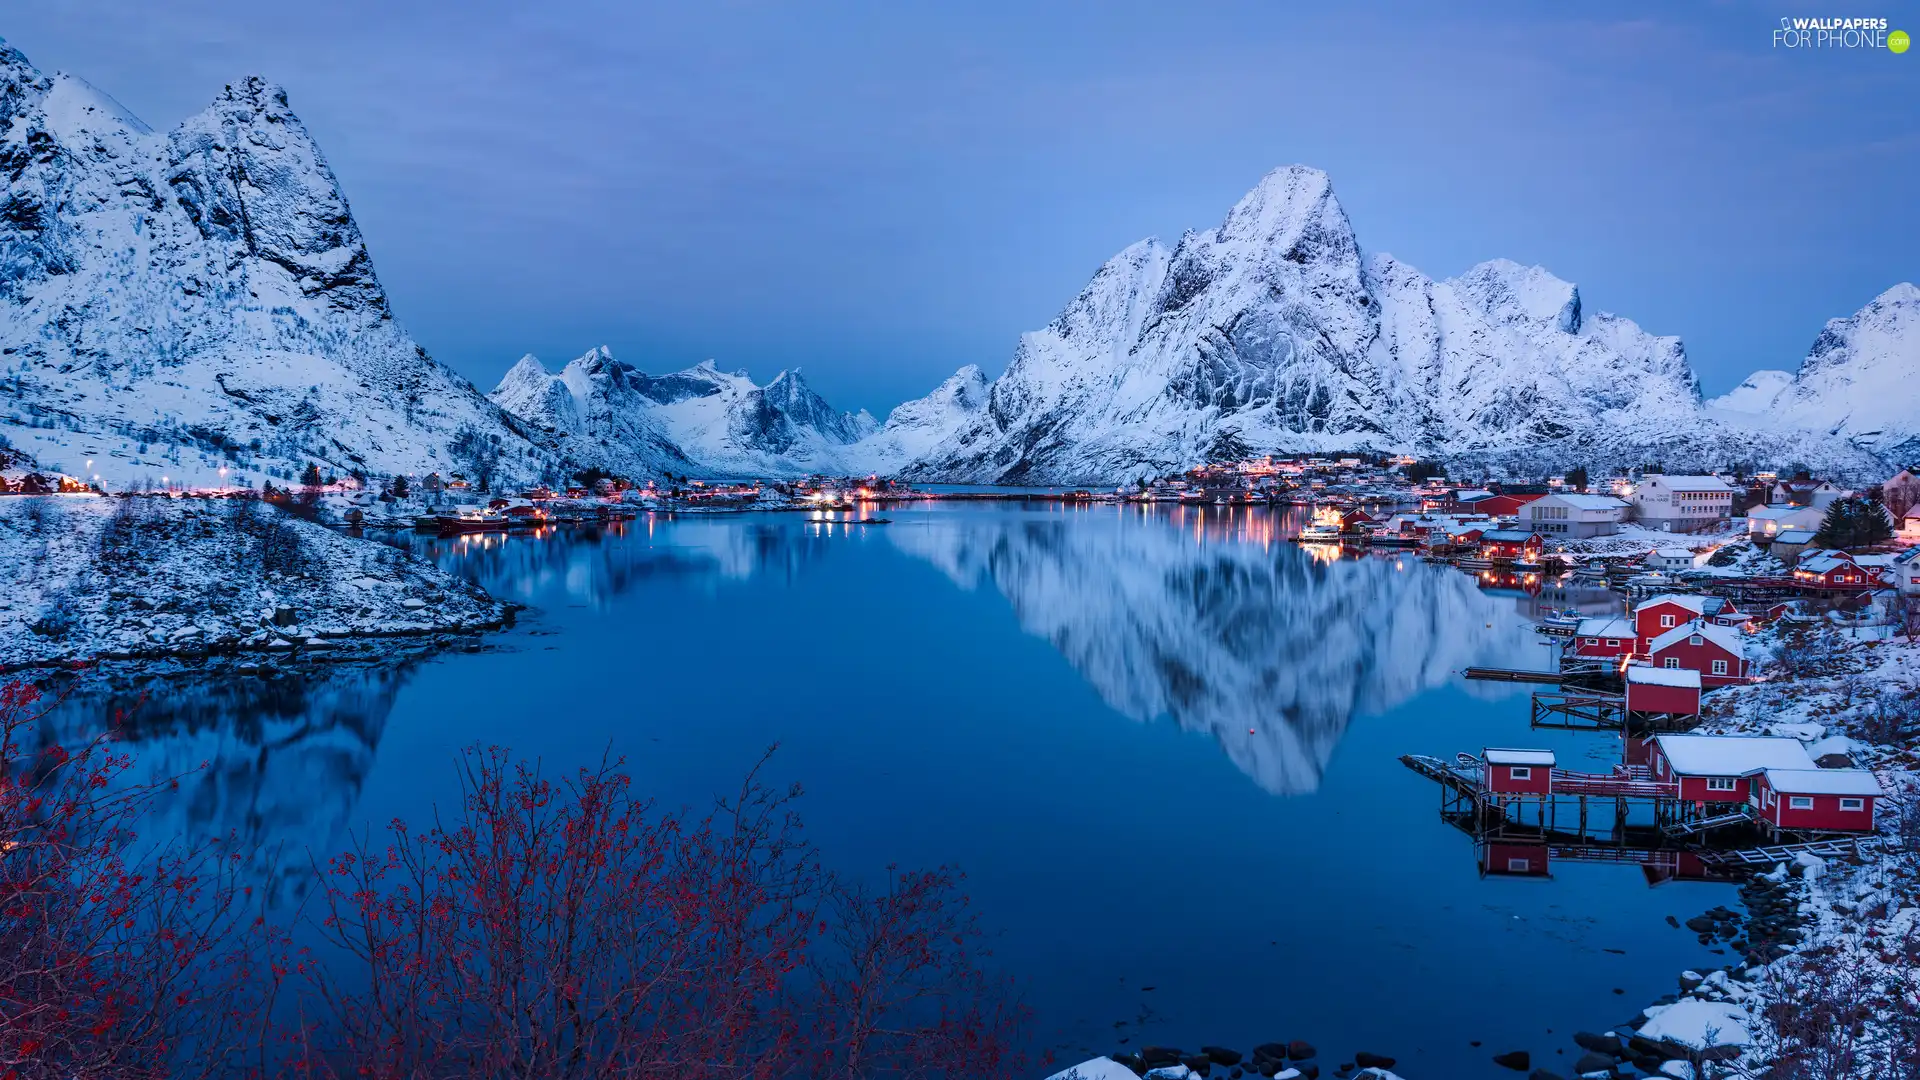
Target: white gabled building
{"x":1682,"y":503}
{"x":1574,"y":516}
{"x":1766,"y":522}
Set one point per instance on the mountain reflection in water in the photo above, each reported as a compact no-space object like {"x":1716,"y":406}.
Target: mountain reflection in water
{"x":1210,"y":618}
{"x":276,"y":761}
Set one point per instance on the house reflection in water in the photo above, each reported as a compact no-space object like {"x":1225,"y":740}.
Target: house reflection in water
{"x":1513,"y":856}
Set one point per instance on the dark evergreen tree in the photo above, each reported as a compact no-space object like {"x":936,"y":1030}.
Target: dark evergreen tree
{"x":1577,"y":478}
{"x":1854,"y":523}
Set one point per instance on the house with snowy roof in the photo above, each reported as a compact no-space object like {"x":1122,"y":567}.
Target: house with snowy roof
{"x":1682,"y":503}
{"x":1833,"y":569}
{"x":1661,"y":692}
{"x":1572,"y":515}
{"x":1513,"y":544}
{"x":1790,"y":545}
{"x":1764,"y":523}
{"x":1787,"y":799}
{"x":1910,"y":524}
{"x":1716,"y":652}
{"x":1719,"y":768}
{"x":1605,"y":638}
{"x":1668,"y":559}
{"x":1658,"y":614}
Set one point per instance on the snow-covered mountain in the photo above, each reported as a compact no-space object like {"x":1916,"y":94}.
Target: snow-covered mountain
{"x":1274,"y":326}
{"x":701,"y":420}
{"x":1267,"y":650}
{"x":916,"y":427}
{"x":599,"y":409}
{"x":174,"y":302}
{"x":1860,"y":382}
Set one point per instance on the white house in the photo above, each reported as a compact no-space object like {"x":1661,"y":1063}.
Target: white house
{"x":1766,"y":522}
{"x":1682,"y":503}
{"x":1567,"y":514}
{"x":1669,"y":558}
{"x":1910,"y":525}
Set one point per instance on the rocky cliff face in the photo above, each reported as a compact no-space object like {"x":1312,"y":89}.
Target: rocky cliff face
{"x":173,"y":303}
{"x":1276,"y":327}
{"x":1860,"y":383}
{"x":701,"y":420}
{"x":598,"y":409}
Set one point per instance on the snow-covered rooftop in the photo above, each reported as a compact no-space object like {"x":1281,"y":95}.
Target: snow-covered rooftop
{"x":1724,"y":636}
{"x":1823,"y":781}
{"x":1695,"y":604}
{"x":1731,"y":755}
{"x":1496,"y":755}
{"x":1794,"y":536}
{"x":1691,"y":483}
{"x":1590,"y":502}
{"x":1648,"y":675}
{"x":1604,"y":628}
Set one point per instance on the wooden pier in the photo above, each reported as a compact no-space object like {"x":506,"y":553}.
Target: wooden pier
{"x":1494,"y":674}
{"x":1779,"y":853}
{"x":1578,"y":711}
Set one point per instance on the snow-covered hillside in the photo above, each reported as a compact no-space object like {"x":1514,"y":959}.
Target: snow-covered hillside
{"x":174,"y":302}
{"x":1860,"y":382}
{"x":702,"y":420}
{"x":1274,"y":326}
{"x":598,"y":409}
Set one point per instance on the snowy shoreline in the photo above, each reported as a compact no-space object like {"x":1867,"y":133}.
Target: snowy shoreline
{"x":103,"y":579}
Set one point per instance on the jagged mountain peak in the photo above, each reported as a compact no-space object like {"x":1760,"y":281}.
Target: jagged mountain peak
{"x":1504,"y":285}
{"x":185,"y":302}
{"x":1857,"y":381}
{"x":1275,"y":324}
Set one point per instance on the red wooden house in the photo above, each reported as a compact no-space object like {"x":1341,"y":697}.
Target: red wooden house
{"x":1716,"y":768}
{"x":1833,"y":570}
{"x":1716,"y":652}
{"x":1605,"y":639}
{"x":1511,"y":544}
{"x":1815,"y":800}
{"x":1653,"y":689}
{"x":1659,"y":614}
{"x":1498,"y":505}
{"x":1517,"y":772}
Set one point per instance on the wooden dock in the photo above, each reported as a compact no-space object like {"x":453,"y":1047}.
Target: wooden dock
{"x":1578,"y":711}
{"x":1495,"y":674}
{"x":1779,"y":853}
{"x":1460,"y":777}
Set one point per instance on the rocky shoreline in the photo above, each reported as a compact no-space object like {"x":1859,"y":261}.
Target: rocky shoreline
{"x":149,"y":578}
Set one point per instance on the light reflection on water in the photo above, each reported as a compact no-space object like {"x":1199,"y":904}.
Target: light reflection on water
{"x":1162,"y":742}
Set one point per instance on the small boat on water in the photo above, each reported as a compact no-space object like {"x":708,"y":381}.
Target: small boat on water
{"x":1320,"y":534}
{"x":471,"y":519}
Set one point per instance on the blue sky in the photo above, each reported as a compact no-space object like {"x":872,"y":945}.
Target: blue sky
{"x":880,"y":192}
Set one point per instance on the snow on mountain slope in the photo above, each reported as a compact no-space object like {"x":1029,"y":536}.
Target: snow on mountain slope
{"x":598,"y":409}
{"x":173,"y":303}
{"x":1753,"y":398}
{"x":1861,"y":379}
{"x":915,"y":427}
{"x":1273,"y":326}
{"x":1258,"y":645}
{"x":702,"y":420}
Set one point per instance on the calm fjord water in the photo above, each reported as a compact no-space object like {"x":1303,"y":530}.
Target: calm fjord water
{"x":1161,"y":743}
